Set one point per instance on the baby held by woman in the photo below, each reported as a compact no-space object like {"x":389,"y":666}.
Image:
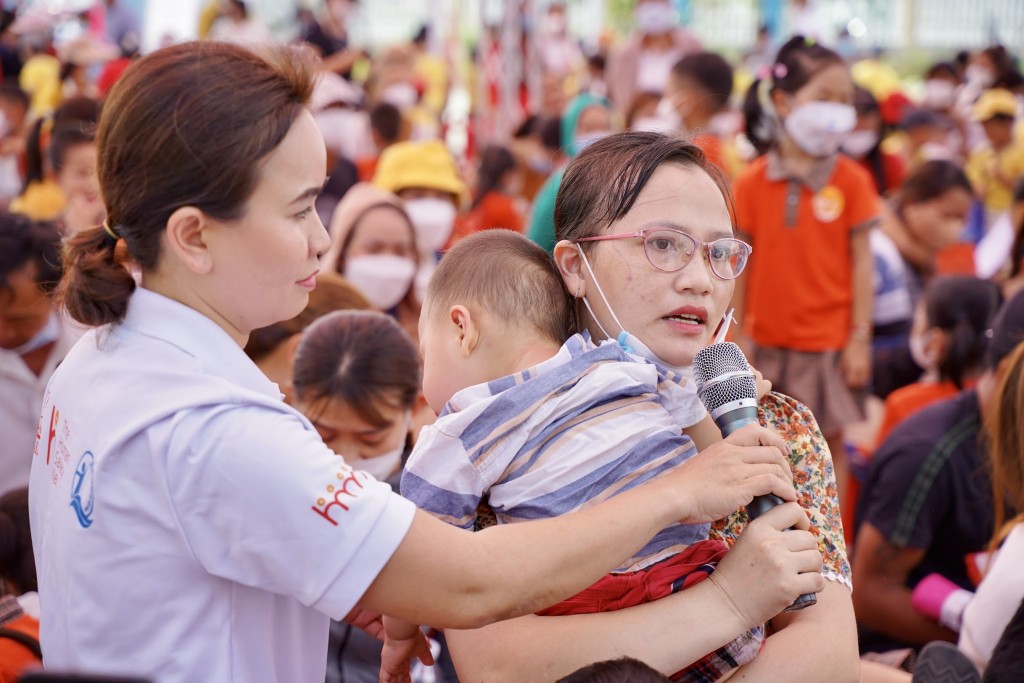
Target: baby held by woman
{"x":535,"y":422}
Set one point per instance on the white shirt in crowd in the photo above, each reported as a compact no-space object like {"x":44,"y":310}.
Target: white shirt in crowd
{"x":187,"y":524}
{"x":21,"y":395}
{"x":995,"y":602}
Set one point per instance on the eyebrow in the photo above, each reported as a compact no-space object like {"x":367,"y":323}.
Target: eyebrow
{"x":311,"y":192}
{"x":716,"y":235}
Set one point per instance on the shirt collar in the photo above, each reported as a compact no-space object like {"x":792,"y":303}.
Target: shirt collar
{"x":816,"y":179}
{"x":156,"y":316}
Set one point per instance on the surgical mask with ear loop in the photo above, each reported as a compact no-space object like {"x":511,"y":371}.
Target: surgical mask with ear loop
{"x":47,"y":334}
{"x":380,"y":467}
{"x":629,"y":342}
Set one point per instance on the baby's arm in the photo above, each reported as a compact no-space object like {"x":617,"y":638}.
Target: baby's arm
{"x":706,"y":432}
{"x":402,"y":642}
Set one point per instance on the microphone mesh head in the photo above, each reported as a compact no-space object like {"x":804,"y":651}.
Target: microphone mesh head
{"x":717,"y":360}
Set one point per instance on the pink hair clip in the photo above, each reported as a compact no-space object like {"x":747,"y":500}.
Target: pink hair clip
{"x":780,"y":71}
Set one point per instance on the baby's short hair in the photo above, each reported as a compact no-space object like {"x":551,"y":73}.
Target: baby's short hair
{"x":510,"y":277}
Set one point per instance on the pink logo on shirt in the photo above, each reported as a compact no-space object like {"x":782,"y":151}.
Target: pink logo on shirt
{"x":347,"y":477}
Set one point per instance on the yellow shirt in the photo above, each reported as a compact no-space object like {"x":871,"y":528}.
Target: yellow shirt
{"x":40,"y":78}
{"x":41,"y":201}
{"x":995,"y":173}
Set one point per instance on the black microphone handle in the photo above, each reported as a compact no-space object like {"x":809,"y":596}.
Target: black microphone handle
{"x":729,"y":423}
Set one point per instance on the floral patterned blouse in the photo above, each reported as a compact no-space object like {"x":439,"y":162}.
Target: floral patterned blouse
{"x":813,"y":477}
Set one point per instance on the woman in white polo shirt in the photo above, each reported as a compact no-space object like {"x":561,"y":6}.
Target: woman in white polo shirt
{"x":187,"y":524}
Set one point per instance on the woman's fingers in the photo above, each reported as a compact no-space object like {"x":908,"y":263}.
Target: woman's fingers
{"x":756,"y":435}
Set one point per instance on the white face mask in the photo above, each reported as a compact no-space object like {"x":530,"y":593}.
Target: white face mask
{"x":433,"y":220}
{"x":859,"y":142}
{"x":629,"y":342}
{"x":654,"y":124}
{"x":581,"y":142}
{"x":384,"y":279}
{"x":819,"y":128}
{"x":922,"y":358}
{"x":939,"y":94}
{"x":979,"y":75}
{"x":47,"y":334}
{"x":654,"y":18}
{"x":339,"y":128}
{"x":402,"y":95}
{"x":667,"y":111}
{"x":381,"y":467}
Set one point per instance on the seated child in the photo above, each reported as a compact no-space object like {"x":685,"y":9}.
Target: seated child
{"x":533,"y":426}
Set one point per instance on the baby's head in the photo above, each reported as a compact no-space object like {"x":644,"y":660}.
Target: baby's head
{"x":494,"y":300}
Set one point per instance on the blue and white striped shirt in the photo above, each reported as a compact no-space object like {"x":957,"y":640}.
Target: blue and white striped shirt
{"x":577,"y":429}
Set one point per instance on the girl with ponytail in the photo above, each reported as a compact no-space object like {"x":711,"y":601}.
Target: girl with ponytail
{"x":948,"y":341}
{"x":805,"y":299}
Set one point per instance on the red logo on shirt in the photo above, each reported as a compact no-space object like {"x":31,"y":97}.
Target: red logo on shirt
{"x":347,"y":478}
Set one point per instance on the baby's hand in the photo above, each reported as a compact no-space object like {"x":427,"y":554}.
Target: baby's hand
{"x":402,"y":643}
{"x":763,"y":385}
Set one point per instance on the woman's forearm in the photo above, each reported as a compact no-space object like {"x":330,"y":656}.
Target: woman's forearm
{"x":668,"y":634}
{"x":816,"y":644}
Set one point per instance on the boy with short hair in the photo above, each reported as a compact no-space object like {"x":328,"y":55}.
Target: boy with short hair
{"x":698,"y":89}
{"x":533,"y":426}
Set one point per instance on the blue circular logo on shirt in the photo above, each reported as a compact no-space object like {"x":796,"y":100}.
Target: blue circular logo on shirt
{"x":82,"y":498}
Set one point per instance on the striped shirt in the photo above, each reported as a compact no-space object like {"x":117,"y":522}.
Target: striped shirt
{"x":590,"y":422}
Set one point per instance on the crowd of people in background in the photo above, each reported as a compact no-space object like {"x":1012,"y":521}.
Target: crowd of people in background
{"x":880,"y":285}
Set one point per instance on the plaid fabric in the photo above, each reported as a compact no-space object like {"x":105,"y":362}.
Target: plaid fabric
{"x":715,"y":665}
{"x":9,"y":609}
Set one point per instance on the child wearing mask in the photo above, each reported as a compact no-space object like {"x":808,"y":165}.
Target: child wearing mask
{"x":532,"y":426}
{"x":806,"y":300}
{"x":374,"y":246}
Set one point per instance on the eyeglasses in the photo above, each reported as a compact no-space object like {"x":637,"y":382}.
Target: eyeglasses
{"x":670,"y":250}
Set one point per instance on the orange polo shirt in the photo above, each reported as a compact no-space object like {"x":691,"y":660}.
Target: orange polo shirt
{"x":800,"y":276}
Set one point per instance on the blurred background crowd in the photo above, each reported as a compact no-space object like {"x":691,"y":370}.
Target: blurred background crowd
{"x":443,"y":118}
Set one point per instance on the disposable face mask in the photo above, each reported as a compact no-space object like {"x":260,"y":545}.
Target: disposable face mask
{"x":540,"y":164}
{"x":381,"y":467}
{"x":979,"y":75}
{"x":433,"y":220}
{"x":629,"y":342}
{"x":384,"y":279}
{"x":581,"y":142}
{"x":859,"y":142}
{"x":402,"y":95}
{"x":819,"y":128}
{"x":654,"y":18}
{"x":342,"y":129}
{"x":667,"y":111}
{"x":921,"y":356}
{"x":939,"y":93}
{"x":655,"y":124}
{"x":47,"y":334}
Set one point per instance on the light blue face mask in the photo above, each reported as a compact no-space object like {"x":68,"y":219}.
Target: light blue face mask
{"x":629,"y":342}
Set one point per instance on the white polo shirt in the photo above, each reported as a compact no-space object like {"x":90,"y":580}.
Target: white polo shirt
{"x":187,"y":524}
{"x":21,"y":394}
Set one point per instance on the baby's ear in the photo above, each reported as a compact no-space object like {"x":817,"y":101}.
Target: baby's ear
{"x":468,"y":328}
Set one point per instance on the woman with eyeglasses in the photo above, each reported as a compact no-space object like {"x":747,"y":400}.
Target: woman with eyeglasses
{"x":633,"y":211}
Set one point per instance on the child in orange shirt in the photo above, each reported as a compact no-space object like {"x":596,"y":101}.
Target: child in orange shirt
{"x":805,"y":300}
{"x":698,"y":90}
{"x":497,"y":203}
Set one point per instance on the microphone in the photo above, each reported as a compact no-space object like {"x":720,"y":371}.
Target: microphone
{"x":727,"y":387}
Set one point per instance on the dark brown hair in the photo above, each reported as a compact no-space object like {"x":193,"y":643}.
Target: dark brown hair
{"x":603,"y":182}
{"x":711,"y":72}
{"x":24,"y":241}
{"x":510,"y":277}
{"x":332,"y":293}
{"x":932,"y":180}
{"x":1005,"y":430}
{"x":17,"y":563}
{"x":623,"y":670}
{"x":185,"y":126}
{"x":963,"y":307}
{"x":797,"y":62}
{"x":362,"y":358}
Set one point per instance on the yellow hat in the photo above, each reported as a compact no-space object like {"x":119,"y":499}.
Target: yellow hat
{"x":993,"y":103}
{"x":427,"y":164}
